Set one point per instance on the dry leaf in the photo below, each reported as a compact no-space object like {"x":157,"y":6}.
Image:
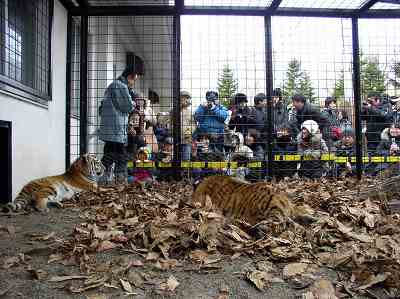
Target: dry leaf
{"x":323,"y":289}
{"x":126,"y":286}
{"x":38,"y":274}
{"x":96,"y":296}
{"x":106,"y":245}
{"x":294,"y":269}
{"x":54,"y":258}
{"x":259,"y":279}
{"x":373,"y":280}
{"x":11,"y":262}
{"x":152,"y":256}
{"x":170,"y":285}
{"x":65,"y":278}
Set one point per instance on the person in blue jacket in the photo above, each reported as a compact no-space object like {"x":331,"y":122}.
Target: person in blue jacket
{"x":114,"y":111}
{"x":211,"y":119}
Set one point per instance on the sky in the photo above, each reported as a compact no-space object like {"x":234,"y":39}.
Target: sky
{"x":323,"y":45}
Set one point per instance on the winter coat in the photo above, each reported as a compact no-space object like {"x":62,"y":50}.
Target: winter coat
{"x":281,"y":115}
{"x":343,"y":150}
{"x":258,"y":152}
{"x":258,"y":119}
{"x":313,"y":150}
{"x":332,"y":130}
{"x":282,"y":169}
{"x":308,"y":112}
{"x":211,"y":121}
{"x":241,"y":149}
{"x":114,"y":112}
{"x":240,"y":120}
{"x":377,"y":118}
{"x":386,"y":142}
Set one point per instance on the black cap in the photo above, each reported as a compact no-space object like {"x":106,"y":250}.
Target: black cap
{"x":240,"y":98}
{"x":211,"y":95}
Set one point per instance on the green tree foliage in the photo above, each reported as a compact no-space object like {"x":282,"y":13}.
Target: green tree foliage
{"x":372,"y":78}
{"x":297,"y":82}
{"x":227,"y":86}
{"x":338,"y":91}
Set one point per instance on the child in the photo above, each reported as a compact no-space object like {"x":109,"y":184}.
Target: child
{"x":141,"y":175}
{"x":284,"y":145}
{"x":345,"y":147}
{"x":311,"y":146}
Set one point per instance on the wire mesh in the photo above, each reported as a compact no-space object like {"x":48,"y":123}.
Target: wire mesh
{"x":223,"y":98}
{"x":380,"y":71}
{"x":130,"y":2}
{"x":333,"y":4}
{"x":229,"y":3}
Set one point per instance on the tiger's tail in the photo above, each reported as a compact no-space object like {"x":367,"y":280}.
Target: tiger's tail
{"x":19,"y":204}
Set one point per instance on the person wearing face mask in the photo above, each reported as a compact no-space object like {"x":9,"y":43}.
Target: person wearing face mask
{"x":211,"y":118}
{"x":114,"y":111}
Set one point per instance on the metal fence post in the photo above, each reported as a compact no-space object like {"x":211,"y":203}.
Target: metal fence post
{"x":68,"y":94}
{"x":176,"y":60}
{"x":357,"y":95}
{"x":83,"y":105}
{"x":269,"y":89}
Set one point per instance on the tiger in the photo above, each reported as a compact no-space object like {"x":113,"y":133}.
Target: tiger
{"x":81,"y":176}
{"x":239,"y":199}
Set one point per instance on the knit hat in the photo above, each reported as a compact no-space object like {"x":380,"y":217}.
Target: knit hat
{"x":211,"y":95}
{"x":185,"y":93}
{"x":348,"y":131}
{"x":311,"y":126}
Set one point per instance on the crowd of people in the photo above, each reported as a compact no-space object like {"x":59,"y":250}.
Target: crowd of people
{"x":239,"y":133}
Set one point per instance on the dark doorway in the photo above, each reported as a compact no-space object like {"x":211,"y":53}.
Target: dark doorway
{"x":5,"y":162}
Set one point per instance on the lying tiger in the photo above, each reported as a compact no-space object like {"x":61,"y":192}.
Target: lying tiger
{"x":253,"y":202}
{"x":39,"y":193}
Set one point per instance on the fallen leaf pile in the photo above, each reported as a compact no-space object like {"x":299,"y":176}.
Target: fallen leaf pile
{"x":350,"y":234}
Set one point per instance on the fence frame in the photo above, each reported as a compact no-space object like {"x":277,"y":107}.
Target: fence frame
{"x":84,"y":10}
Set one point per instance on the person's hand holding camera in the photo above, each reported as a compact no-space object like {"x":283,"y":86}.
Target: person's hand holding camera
{"x":394,"y":148}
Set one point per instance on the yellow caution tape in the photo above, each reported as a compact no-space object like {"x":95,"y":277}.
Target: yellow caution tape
{"x":259,"y":164}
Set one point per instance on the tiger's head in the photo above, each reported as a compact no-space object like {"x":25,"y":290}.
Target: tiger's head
{"x":89,"y":166}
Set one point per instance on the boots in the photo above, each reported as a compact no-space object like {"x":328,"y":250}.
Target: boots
{"x":107,"y":177}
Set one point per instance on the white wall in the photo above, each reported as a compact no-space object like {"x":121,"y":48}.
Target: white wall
{"x":38,"y":133}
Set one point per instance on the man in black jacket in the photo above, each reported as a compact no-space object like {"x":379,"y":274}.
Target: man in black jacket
{"x":377,"y":116}
{"x":305,"y":111}
{"x":240,"y":114}
{"x":258,"y":116}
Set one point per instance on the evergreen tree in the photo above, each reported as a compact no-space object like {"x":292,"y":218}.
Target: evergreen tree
{"x":338,"y":92}
{"x":372,"y":78}
{"x":298,"y":82}
{"x":227,"y":86}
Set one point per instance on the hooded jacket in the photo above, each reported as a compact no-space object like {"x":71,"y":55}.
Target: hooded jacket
{"x":211,"y":121}
{"x":114,"y":112}
{"x":241,"y":149}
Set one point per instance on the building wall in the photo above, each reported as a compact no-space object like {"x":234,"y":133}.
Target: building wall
{"x":38,"y":133}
